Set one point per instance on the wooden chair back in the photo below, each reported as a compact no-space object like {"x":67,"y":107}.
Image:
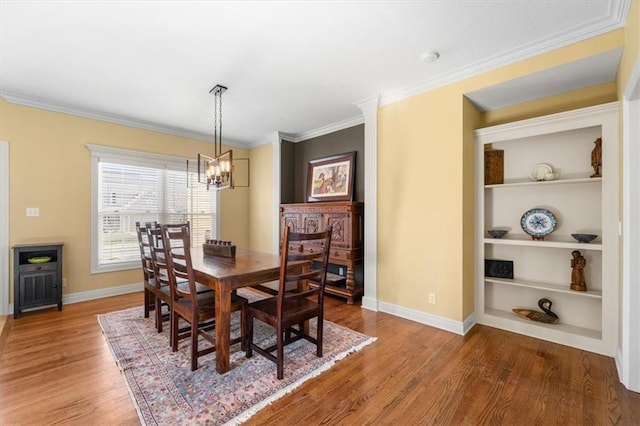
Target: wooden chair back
{"x":145,"y":249}
{"x":177,"y":251}
{"x":299,"y":246}
{"x":158,"y":259}
{"x":147,"y":267}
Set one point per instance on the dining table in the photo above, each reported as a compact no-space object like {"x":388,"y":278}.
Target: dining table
{"x":225,"y":275}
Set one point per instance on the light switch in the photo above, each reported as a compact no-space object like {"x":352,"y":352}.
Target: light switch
{"x":33,"y":211}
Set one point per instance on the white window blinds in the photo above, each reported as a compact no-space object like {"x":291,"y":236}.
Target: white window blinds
{"x":134,"y":188}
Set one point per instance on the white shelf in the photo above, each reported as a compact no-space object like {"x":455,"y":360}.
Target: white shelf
{"x":535,"y":243}
{"x":529,"y":182}
{"x":565,"y":328}
{"x":543,"y":286}
{"x":565,"y":142}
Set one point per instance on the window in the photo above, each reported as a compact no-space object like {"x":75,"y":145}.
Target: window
{"x":130,"y":187}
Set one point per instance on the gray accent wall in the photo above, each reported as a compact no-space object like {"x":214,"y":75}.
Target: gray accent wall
{"x":295,"y":159}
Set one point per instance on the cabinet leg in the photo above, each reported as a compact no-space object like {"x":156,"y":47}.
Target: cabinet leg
{"x":351,"y":284}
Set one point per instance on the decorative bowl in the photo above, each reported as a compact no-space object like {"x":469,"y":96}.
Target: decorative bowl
{"x":42,"y":259}
{"x":497,"y":233}
{"x":584,"y":238}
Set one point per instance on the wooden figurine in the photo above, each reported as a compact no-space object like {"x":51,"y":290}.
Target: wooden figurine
{"x":577,"y":271}
{"x":596,"y":158}
{"x":547,"y":316}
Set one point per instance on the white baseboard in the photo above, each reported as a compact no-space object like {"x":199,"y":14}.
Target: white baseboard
{"x":83,"y":296}
{"x":436,"y":321}
{"x":370,"y":303}
{"x":468,"y":323}
{"x":619,"y":368}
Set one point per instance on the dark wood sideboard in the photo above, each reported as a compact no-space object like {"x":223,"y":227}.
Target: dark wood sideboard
{"x":346,"y":242}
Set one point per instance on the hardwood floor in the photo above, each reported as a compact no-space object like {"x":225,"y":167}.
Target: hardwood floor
{"x":55,"y":368}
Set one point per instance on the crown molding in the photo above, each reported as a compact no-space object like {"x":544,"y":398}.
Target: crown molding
{"x":523,"y":128}
{"x":324,"y":130}
{"x":94,"y":114}
{"x":616,"y":17}
{"x":370,"y":102}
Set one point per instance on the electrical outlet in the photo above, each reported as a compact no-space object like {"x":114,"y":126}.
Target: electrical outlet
{"x":64,"y":282}
{"x":432,"y":298}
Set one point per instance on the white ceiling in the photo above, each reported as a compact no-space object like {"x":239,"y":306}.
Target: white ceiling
{"x":290,"y":66}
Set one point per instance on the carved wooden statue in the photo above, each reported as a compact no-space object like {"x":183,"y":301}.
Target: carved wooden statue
{"x":596,"y":158}
{"x":577,"y":271}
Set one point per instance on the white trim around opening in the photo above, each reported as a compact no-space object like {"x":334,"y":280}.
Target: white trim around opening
{"x":4,"y":227}
{"x":629,"y":353}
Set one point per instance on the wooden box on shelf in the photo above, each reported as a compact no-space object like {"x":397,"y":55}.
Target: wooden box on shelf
{"x":493,"y":166}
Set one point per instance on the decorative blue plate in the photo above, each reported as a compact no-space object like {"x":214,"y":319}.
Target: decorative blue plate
{"x":538,"y":223}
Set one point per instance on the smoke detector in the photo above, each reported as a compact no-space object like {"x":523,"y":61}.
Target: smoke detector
{"x":430,"y":56}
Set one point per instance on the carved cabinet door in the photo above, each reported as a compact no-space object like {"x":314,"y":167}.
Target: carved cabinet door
{"x":312,"y":222}
{"x":292,"y":220}
{"x":340,"y":222}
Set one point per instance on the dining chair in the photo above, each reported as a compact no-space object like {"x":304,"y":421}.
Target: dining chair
{"x":162,"y":284}
{"x":196,"y":309}
{"x":287,"y":309}
{"x":147,"y":266}
{"x":162,"y":292}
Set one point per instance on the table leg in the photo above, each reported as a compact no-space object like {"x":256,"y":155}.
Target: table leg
{"x":223,"y":325}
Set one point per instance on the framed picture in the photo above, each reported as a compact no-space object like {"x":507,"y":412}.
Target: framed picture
{"x":331,"y":178}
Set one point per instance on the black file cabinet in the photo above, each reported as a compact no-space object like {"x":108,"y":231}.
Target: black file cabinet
{"x":37,"y":274}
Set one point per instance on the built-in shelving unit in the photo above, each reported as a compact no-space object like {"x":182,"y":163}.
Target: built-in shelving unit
{"x":580,"y":203}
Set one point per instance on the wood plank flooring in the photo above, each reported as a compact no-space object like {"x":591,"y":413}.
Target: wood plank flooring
{"x":55,"y":368}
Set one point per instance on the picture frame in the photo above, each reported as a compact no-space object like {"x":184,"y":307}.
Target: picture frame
{"x":331,"y":178}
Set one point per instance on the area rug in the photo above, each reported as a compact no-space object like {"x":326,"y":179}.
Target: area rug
{"x":166,"y":391}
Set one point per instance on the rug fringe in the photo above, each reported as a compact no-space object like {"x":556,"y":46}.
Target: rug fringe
{"x":246,"y":415}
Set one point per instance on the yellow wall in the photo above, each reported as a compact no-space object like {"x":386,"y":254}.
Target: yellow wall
{"x":471,"y":121}
{"x":50,"y":168}
{"x":575,"y":99}
{"x":424,"y":229}
{"x":261,"y":211}
{"x":420,"y":202}
{"x":234,"y":211}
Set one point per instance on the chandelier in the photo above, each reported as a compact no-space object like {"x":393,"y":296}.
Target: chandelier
{"x":219,"y":168}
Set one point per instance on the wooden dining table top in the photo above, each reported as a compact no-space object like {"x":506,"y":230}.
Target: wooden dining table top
{"x":245,"y":268}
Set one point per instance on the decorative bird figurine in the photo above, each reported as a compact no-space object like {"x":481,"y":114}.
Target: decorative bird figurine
{"x":547,"y":316}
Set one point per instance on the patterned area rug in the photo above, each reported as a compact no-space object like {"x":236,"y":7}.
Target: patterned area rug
{"x":167,"y":392}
